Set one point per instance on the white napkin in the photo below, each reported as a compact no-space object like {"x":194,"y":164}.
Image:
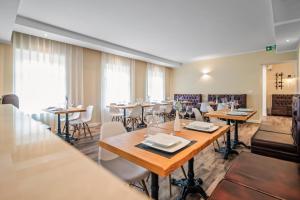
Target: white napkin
{"x":200,"y":125}
{"x":164,"y":140}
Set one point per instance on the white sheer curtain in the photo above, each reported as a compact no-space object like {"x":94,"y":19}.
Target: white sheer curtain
{"x":155,"y":82}
{"x":117,"y":76}
{"x":46,"y":71}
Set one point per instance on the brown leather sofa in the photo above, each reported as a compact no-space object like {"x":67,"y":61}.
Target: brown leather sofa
{"x":282,"y":104}
{"x":195,"y":99}
{"x":253,"y":176}
{"x":280,"y":143}
{"x":241,"y":98}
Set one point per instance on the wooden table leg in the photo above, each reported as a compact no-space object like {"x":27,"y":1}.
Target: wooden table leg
{"x":154,"y":186}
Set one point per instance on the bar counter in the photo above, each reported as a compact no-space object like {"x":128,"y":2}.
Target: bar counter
{"x":36,"y":164}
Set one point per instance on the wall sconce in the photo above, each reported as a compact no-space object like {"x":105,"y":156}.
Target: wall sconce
{"x":205,"y":74}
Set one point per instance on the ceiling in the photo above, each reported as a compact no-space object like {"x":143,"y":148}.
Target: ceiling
{"x":286,"y":17}
{"x":168,"y":32}
{"x":8,"y":12}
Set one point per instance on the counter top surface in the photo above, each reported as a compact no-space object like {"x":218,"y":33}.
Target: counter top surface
{"x":36,"y":164}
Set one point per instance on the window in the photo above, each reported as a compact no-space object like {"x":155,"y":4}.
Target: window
{"x":117,"y":81}
{"x":155,"y":83}
{"x":39,"y":79}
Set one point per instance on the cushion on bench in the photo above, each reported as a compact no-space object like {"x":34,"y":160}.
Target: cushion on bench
{"x":229,"y":190}
{"x":272,"y":128}
{"x":271,"y":176}
{"x":274,"y":141}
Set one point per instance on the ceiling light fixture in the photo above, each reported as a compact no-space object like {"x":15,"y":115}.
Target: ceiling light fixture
{"x":287,"y":40}
{"x":45,"y":35}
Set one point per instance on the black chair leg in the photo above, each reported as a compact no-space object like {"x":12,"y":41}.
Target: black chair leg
{"x":88,"y":128}
{"x":145,"y":187}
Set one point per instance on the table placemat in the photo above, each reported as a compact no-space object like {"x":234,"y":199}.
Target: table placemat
{"x":202,"y":131}
{"x":163,"y":153}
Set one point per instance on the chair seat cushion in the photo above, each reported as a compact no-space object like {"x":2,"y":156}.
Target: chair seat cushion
{"x":229,"y":190}
{"x":274,"y":141}
{"x":125,"y":170}
{"x":272,"y":176}
{"x":271,"y":128}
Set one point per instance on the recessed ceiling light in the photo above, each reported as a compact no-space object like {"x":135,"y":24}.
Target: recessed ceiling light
{"x":287,"y":40}
{"x":45,"y":35}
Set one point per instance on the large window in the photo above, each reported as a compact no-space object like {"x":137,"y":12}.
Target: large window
{"x":155,"y":83}
{"x":45,"y":72}
{"x":117,"y":81}
{"x":39,"y":79}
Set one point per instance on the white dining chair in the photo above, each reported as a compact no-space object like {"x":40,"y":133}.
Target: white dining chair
{"x":135,"y":116}
{"x":216,"y":121}
{"x":83,"y":121}
{"x":122,"y":168}
{"x":197,"y":114}
{"x":203,"y":107}
{"x":167,"y":113}
{"x":222,"y":106}
{"x":115,"y":113}
{"x":72,"y":117}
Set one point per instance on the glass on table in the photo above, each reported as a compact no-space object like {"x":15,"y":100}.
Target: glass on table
{"x":182,"y":112}
{"x":149,"y":121}
{"x":189,"y":111}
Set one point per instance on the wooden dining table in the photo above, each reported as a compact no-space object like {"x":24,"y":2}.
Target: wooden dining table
{"x":125,"y":145}
{"x":223,"y":114}
{"x":66,"y":111}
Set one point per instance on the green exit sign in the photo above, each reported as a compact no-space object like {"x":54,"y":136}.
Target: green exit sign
{"x":271,"y":47}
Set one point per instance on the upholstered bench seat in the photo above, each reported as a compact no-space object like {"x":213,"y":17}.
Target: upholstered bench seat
{"x":274,"y":177}
{"x":229,"y":190}
{"x":272,"y":128}
{"x":274,"y":141}
{"x":277,"y":145}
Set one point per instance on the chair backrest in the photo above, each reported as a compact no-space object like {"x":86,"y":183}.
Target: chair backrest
{"x":110,"y":129}
{"x":296,"y":121}
{"x":203,"y":107}
{"x":222,"y":106}
{"x":136,"y":111}
{"x":169,"y":108}
{"x":198,"y":115}
{"x":209,"y":108}
{"x":77,"y":114}
{"x":156,"y":108}
{"x":11,"y":99}
{"x":113,"y":110}
{"x":87,"y":115}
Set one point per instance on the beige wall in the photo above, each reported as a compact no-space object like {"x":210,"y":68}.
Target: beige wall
{"x":91,"y":81}
{"x":6,"y":69}
{"x":233,"y":74}
{"x":140,"y":79}
{"x":289,"y":85}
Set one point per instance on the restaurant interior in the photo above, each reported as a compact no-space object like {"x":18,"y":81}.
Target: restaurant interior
{"x":152,"y":99}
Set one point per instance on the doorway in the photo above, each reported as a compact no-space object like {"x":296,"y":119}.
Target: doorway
{"x":279,"y":82}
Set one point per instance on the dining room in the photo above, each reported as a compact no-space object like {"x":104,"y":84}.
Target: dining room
{"x":96,"y":111}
